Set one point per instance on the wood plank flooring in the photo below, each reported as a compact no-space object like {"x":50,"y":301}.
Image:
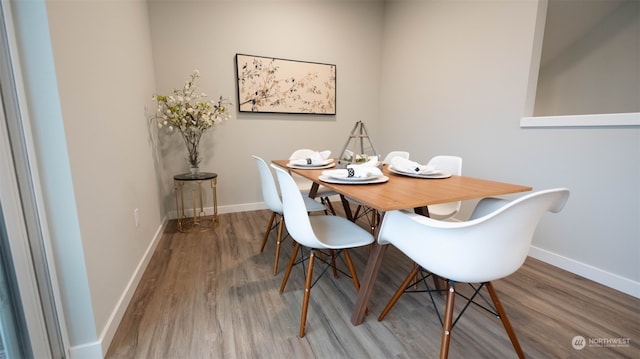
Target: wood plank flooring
{"x":213,"y":295}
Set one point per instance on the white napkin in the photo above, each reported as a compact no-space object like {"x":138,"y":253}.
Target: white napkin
{"x":315,"y":158}
{"x":358,"y":172}
{"x":408,"y":166}
{"x":367,"y":169}
{"x":364,"y":172}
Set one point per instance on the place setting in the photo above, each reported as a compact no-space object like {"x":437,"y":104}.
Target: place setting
{"x":315,"y":160}
{"x":367,"y":173}
{"x":405,"y":167}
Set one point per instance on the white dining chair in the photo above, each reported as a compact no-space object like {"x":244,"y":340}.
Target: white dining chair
{"x":492,"y":245}
{"x":449,"y":164}
{"x":273,"y":201}
{"x":304,"y":184}
{"x":393,"y":154}
{"x":369,"y":213}
{"x":316,"y":233}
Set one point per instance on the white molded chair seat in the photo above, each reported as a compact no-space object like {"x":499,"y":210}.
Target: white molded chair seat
{"x":272,"y":199}
{"x":493,"y":244}
{"x":316,"y":233}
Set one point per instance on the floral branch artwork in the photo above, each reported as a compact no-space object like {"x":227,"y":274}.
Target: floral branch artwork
{"x":285,"y":86}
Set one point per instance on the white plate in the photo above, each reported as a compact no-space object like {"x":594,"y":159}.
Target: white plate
{"x":343,"y":174}
{"x":328,"y":179}
{"x":325,"y":164}
{"x":435,"y":175}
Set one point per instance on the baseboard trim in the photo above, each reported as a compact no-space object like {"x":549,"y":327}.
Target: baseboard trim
{"x":87,"y":351}
{"x":597,"y":275}
{"x":110,"y":328}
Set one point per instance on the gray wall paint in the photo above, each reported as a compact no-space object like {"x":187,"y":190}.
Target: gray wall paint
{"x":595,"y":70}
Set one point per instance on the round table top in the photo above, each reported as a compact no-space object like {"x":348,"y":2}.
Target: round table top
{"x":200,"y":176}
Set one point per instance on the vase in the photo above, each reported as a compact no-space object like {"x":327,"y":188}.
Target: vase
{"x":192,"y":140}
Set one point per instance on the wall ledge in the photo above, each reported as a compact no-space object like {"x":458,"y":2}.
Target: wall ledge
{"x":593,"y":120}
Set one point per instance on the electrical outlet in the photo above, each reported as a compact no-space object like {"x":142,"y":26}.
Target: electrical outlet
{"x":136,"y":217}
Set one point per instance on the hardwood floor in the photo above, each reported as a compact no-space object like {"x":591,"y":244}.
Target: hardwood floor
{"x":213,"y":295}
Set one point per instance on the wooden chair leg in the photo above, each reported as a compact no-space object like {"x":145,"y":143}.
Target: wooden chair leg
{"x":448,"y":321}
{"x":437,"y":283}
{"x":440,"y":283}
{"x":292,"y":261}
{"x":505,"y":320}
{"x":374,"y":221}
{"x":352,"y":269}
{"x":307,"y":293}
{"x":266,"y":233}
{"x":398,"y":293}
{"x":278,"y":243}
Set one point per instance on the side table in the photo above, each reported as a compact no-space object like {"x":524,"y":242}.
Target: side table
{"x":198,"y":219}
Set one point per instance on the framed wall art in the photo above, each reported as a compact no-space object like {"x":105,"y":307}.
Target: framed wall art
{"x":273,"y":85}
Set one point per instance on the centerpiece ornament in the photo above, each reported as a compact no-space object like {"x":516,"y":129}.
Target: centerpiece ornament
{"x":188,"y":112}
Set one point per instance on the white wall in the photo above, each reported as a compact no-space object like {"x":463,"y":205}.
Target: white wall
{"x":597,"y":72}
{"x":460,"y":70}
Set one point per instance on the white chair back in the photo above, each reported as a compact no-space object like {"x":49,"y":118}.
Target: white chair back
{"x":306,"y":153}
{"x":295,"y":212}
{"x":305,"y":184}
{"x":453,"y":165}
{"x":394,"y":154}
{"x":483,"y":249}
{"x":446,"y":163}
{"x":269,"y":189}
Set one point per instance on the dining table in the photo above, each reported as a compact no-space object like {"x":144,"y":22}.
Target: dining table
{"x":398,"y":192}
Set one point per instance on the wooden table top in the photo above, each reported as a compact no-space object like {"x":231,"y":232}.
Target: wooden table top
{"x":403,"y":192}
